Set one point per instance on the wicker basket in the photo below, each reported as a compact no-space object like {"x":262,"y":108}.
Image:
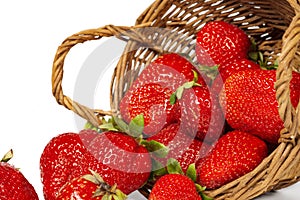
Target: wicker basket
{"x":275,"y":25}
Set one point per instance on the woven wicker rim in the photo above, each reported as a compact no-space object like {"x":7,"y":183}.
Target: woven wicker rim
{"x":278,"y":170}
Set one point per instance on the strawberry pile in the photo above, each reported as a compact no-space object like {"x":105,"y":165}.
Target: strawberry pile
{"x":182,"y":127}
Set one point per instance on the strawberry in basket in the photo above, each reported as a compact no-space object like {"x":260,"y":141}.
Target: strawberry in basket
{"x":235,"y":154}
{"x":228,"y":69}
{"x":219,"y":42}
{"x":223,"y":49}
{"x":13,"y":184}
{"x":249,"y":102}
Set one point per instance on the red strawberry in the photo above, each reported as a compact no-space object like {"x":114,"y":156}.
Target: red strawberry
{"x":153,"y":101}
{"x":169,"y":70}
{"x":150,"y":93}
{"x":218,"y":42}
{"x":89,"y":187}
{"x":249,"y":102}
{"x":183,"y":148}
{"x":234,"y":155}
{"x":201,"y":115}
{"x":230,"y":68}
{"x":175,"y":187}
{"x":61,"y":158}
{"x":13,"y":184}
{"x":118,"y":159}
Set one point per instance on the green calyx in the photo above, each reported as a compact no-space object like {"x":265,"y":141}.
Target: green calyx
{"x":156,"y":148}
{"x":158,"y":170}
{"x":210,"y":71}
{"x":257,"y":56}
{"x":173,"y":167}
{"x":106,"y":191}
{"x":7,"y":156}
{"x":134,"y":128}
{"x":179,"y":91}
{"x":90,"y":126}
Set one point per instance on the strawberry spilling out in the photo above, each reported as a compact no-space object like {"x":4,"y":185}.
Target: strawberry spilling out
{"x":115,"y":156}
{"x":119,"y":159}
{"x":89,"y":187}
{"x":60,"y":160}
{"x":175,"y":187}
{"x":178,"y":185}
{"x":13,"y":184}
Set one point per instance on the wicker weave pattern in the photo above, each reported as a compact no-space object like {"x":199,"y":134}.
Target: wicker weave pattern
{"x":275,"y":26}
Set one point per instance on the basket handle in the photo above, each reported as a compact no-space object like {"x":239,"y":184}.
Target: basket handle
{"x":121,"y":32}
{"x":287,"y":112}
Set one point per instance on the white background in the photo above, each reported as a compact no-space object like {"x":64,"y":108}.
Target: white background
{"x":30,"y":33}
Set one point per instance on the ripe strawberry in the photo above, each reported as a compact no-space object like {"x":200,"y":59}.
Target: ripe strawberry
{"x":249,"y":102}
{"x":175,"y":187}
{"x":219,"y":42}
{"x":89,"y":187}
{"x":234,"y":155}
{"x":169,"y":70}
{"x":119,"y":159}
{"x":230,"y":68}
{"x":13,"y":184}
{"x":78,"y":188}
{"x":150,"y":93}
{"x":61,"y":158}
{"x":153,"y":101}
{"x":201,"y":115}
{"x":183,"y":148}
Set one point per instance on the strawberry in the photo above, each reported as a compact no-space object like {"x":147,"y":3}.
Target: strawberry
{"x":201,"y":115}
{"x":219,"y":42}
{"x":183,"y":148}
{"x":230,"y":68}
{"x":151,"y":100}
{"x":175,"y":187}
{"x":170,"y":70}
{"x":249,"y":102}
{"x":13,"y":184}
{"x":60,"y":159}
{"x":150,"y":93}
{"x":89,"y":187}
{"x":235,"y":154}
{"x":119,"y":159}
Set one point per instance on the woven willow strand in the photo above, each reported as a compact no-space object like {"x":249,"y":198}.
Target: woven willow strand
{"x":120,"y":32}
